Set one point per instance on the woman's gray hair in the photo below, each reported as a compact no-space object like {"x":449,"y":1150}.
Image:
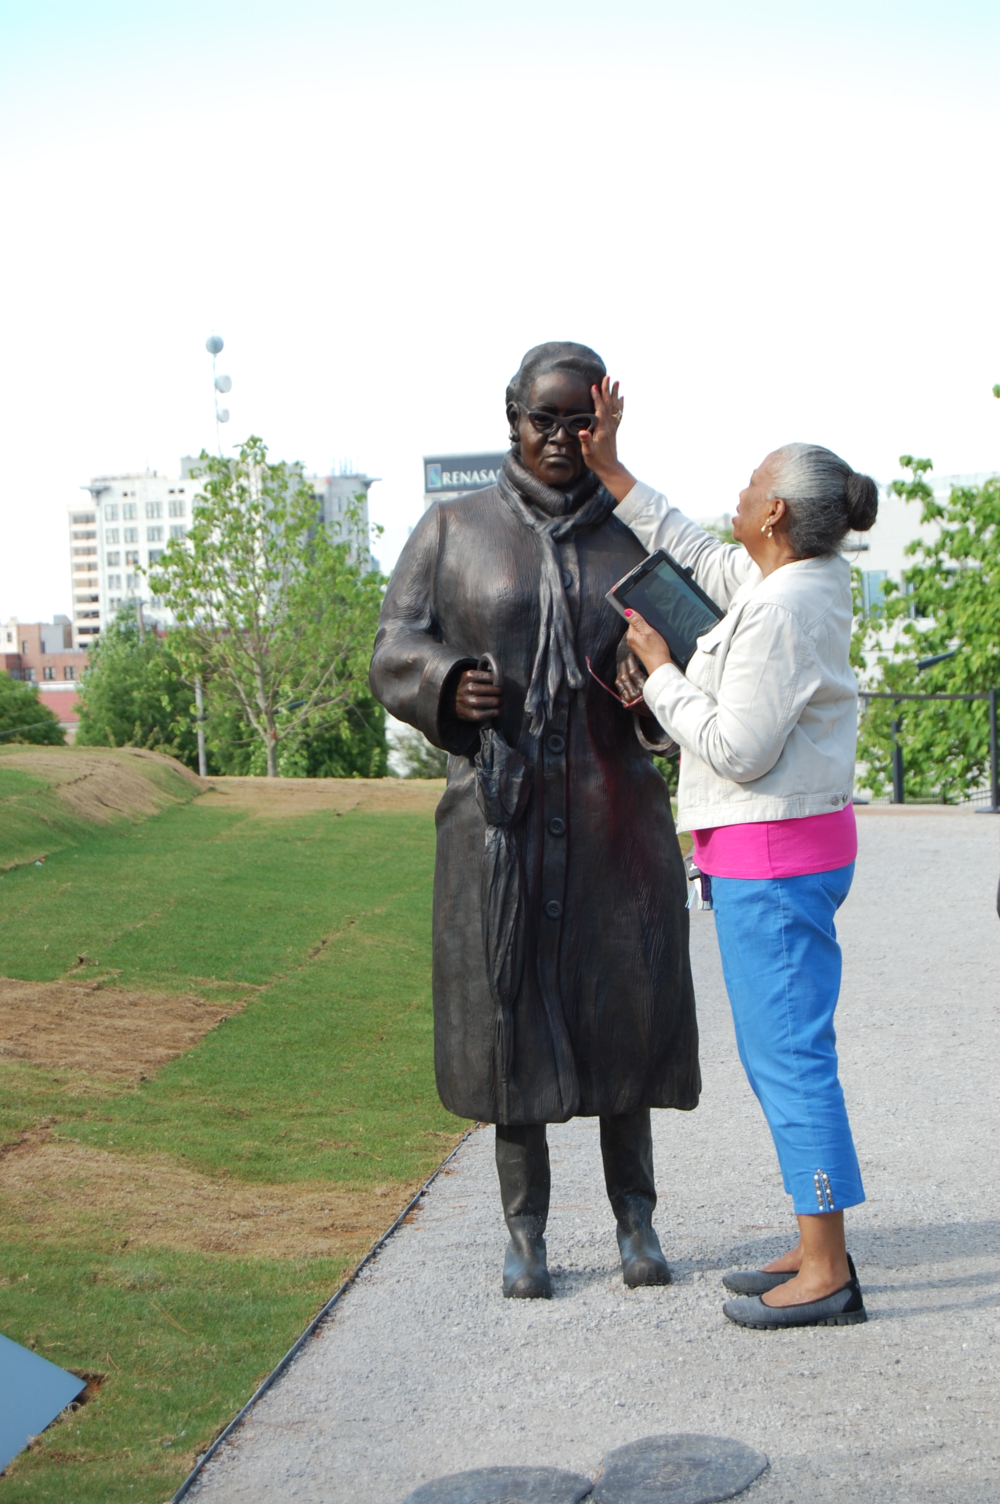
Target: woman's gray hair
{"x":825,"y":499}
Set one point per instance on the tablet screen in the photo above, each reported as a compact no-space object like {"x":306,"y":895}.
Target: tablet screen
{"x":668,"y":602}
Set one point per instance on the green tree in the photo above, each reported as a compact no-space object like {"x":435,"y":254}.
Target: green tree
{"x":275,"y":614}
{"x":133,"y":693}
{"x":23,"y":717}
{"x":417,"y":757}
{"x":950,"y":600}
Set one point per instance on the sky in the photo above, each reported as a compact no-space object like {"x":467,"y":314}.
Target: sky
{"x":775,"y":222}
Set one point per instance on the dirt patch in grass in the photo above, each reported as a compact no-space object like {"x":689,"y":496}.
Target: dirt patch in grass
{"x":281,"y":797}
{"x":104,"y":785}
{"x":107,"y":1032}
{"x":54,"y":1190}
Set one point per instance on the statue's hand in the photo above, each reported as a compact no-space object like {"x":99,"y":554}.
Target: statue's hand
{"x":477,"y":698}
{"x":629,"y":680}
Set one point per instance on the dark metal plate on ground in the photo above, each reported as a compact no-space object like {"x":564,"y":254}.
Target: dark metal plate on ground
{"x":679,"y":1469}
{"x":32,"y":1393}
{"x":504,"y":1485}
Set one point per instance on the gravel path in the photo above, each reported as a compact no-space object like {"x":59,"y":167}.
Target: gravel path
{"x":424,"y":1369}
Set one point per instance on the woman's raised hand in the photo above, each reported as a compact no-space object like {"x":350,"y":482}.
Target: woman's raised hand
{"x":600,"y":446}
{"x":646,"y":643}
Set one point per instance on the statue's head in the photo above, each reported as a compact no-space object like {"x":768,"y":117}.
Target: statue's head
{"x":553,"y":382}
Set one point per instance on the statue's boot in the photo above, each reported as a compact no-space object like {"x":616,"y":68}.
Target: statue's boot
{"x":523,"y":1167}
{"x":627,"y":1151}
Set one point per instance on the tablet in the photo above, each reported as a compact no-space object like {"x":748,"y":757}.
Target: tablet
{"x":665,"y":594}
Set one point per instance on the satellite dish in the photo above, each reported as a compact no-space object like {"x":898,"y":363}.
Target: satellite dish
{"x":223,"y":383}
{"x":223,"y":414}
{"x":214,"y":344}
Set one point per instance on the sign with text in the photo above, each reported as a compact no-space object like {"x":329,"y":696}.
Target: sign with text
{"x":460,"y":472}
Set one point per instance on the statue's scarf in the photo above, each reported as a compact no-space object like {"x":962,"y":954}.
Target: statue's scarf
{"x":552,"y":515}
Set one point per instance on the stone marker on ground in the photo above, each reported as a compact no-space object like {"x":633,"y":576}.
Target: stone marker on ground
{"x":504,"y":1485}
{"x":681,"y":1469}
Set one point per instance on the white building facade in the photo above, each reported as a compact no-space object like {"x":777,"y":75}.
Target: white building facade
{"x":116,"y":539}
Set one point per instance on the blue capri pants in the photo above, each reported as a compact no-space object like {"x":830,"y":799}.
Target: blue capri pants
{"x":782,"y":966}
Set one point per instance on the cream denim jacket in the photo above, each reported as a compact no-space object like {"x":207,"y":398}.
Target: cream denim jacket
{"x":767,"y":713}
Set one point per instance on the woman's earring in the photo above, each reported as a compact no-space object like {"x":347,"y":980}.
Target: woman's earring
{"x":766,"y":528}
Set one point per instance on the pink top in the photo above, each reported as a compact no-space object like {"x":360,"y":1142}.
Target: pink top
{"x":778,"y":848}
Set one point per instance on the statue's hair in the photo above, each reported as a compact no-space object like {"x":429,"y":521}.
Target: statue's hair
{"x":557,"y":355}
{"x":824,"y":497}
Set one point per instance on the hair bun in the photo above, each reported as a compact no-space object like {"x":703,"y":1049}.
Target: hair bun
{"x":862,"y":501}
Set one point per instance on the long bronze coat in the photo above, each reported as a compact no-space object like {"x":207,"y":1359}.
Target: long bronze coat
{"x":604,"y":1019}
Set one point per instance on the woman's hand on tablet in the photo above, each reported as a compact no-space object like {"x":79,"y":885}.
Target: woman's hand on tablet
{"x":646,"y":643}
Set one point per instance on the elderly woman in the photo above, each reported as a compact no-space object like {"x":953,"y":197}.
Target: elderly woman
{"x":766,"y":717}
{"x":561,"y":979}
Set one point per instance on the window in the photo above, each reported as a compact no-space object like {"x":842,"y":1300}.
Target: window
{"x":85,"y":549}
{"x":48,"y":672}
{"x":154,"y":535}
{"x":914,"y":609}
{"x":131,"y":556}
{"x":131,"y":535}
{"x":178,"y":532}
{"x":24,"y":647}
{"x":28,"y":674}
{"x":873,"y":590}
{"x":79,"y":534}
{"x":115,"y":600}
{"x":81,"y":519}
{"x":113,"y":560}
{"x":132,"y":581}
{"x":69,"y":672}
{"x":155,"y":554}
{"x":10,"y":637}
{"x":155,"y":602}
{"x":111,"y":512}
{"x":130,"y":511}
{"x":111,"y":536}
{"x":175,"y":508}
{"x":154,"y":508}
{"x":115,"y":580}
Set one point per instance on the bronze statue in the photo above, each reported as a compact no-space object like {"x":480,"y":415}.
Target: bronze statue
{"x":562,"y":985}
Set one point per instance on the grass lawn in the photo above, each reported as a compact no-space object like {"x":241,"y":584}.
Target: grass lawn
{"x":171,"y":1231}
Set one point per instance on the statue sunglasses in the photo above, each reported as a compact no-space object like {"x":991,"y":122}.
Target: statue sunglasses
{"x":550,"y":423}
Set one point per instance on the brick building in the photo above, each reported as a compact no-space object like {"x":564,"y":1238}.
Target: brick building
{"x":42,"y":653}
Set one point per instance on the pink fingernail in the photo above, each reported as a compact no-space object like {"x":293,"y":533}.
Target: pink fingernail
{"x":629,"y":613}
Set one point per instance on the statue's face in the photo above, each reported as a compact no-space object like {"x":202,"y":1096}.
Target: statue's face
{"x":556,"y":458}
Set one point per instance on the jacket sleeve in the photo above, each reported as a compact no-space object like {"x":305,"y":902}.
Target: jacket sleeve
{"x":719,"y":568}
{"x":413,"y":673}
{"x":771,"y":674}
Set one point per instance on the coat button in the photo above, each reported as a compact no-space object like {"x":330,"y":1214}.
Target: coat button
{"x":557,"y":827}
{"x":567,"y":579}
{"x":554,"y":908}
{"x":556,"y":743}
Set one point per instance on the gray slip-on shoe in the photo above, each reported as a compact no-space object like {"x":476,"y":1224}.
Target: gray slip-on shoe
{"x":845,"y":1307}
{"x":759,"y":1281}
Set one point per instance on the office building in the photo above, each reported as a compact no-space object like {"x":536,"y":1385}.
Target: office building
{"x":122,"y":533}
